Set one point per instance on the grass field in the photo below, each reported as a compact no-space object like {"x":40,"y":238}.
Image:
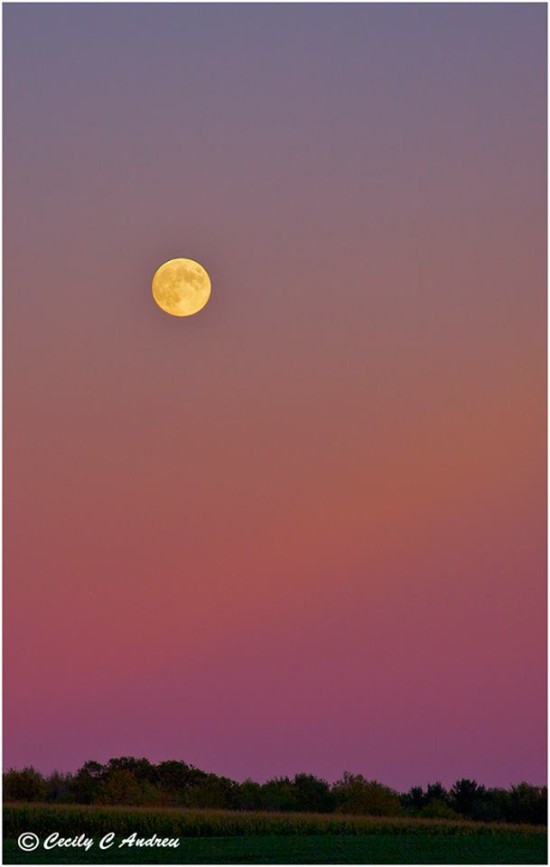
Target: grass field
{"x":218,"y":837}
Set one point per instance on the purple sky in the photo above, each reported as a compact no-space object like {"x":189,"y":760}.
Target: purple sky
{"x":303,"y":530}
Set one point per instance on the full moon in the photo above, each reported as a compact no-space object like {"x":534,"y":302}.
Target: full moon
{"x":181,"y":287}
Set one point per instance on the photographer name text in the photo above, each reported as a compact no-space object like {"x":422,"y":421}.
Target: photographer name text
{"x":29,"y":842}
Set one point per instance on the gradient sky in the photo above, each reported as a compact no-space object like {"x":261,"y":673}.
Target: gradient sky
{"x":303,"y":530}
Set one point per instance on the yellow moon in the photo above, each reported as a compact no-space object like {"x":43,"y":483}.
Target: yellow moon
{"x":181,"y":287}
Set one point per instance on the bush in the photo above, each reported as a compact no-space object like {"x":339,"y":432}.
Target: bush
{"x":437,"y":809}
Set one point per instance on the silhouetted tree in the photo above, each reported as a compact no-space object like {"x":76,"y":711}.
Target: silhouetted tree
{"x":213,"y":791}
{"x":413,"y":800}
{"x":432,"y":804}
{"x":122,"y":787}
{"x":436,"y":792}
{"x":279,"y":794}
{"x":87,"y":782}
{"x":493,"y":806}
{"x":58,"y":787}
{"x":437,"y":804}
{"x":130,"y":781}
{"x":312,"y":794}
{"x":175,"y":779}
{"x":25,"y":785}
{"x":466,"y":798}
{"x":250,"y":796}
{"x":141,"y":769}
{"x":528,"y":804}
{"x":354,"y":794}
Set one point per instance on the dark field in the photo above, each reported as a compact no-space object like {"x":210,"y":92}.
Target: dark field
{"x":217,"y":837}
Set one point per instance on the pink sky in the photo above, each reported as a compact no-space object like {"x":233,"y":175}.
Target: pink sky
{"x":303,"y":530}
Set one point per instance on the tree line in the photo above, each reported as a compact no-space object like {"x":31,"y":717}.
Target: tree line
{"x":138,"y":782}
